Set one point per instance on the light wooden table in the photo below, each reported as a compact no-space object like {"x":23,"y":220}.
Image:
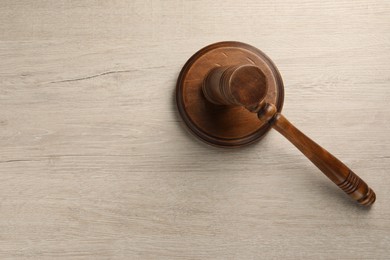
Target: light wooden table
{"x":96,"y":164}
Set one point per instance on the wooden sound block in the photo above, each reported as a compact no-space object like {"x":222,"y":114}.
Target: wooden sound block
{"x":221,"y":125}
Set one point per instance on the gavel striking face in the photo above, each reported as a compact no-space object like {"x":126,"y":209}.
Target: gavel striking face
{"x":230,"y":94}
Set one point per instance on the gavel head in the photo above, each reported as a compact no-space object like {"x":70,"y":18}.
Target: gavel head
{"x":241,"y":85}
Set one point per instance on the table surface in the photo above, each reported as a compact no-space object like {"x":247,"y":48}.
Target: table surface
{"x":95,"y":162}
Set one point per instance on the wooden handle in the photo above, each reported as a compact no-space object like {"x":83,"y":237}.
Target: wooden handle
{"x":333,"y":168}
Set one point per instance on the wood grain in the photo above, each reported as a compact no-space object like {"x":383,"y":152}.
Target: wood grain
{"x":96,"y":164}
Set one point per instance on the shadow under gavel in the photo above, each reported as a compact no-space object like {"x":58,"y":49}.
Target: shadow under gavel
{"x":246,"y":86}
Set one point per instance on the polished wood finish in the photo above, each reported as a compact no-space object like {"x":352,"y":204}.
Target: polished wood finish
{"x":246,"y":85}
{"x":332,"y":167}
{"x":241,"y":85}
{"x":227,"y":126}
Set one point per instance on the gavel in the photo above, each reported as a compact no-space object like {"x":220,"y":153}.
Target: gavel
{"x":239,"y":86}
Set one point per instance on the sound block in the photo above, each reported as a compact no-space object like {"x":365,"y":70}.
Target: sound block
{"x":224,"y":126}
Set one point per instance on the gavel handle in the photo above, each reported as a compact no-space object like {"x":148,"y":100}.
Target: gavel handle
{"x":332,"y":167}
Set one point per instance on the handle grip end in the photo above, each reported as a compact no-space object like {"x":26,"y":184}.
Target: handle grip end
{"x":358,"y":189}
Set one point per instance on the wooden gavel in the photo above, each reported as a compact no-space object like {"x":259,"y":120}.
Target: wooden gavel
{"x":231,"y":94}
{"x":246,"y":85}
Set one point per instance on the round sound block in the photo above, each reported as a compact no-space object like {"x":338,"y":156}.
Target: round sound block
{"x":227,"y":126}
